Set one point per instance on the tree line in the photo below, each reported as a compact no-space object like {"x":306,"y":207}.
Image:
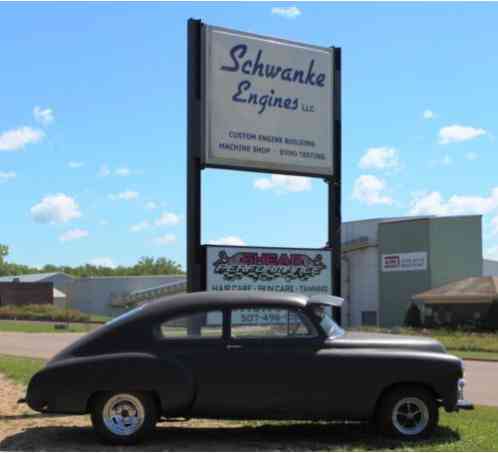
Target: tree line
{"x":146,"y":265}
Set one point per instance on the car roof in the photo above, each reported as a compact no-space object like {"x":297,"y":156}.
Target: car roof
{"x":225,"y":299}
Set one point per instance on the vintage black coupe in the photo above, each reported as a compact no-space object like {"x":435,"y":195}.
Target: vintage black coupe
{"x":246,"y":355}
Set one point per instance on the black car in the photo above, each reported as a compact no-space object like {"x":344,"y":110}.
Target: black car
{"x":246,"y":355}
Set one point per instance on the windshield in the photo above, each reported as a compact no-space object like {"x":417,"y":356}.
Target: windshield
{"x":328,"y":325}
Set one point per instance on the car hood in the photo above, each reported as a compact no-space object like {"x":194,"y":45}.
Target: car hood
{"x":367,"y":340}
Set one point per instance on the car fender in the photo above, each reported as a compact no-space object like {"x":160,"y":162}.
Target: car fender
{"x":366,"y":374}
{"x":66,"y":386}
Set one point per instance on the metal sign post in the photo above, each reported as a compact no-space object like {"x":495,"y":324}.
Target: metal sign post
{"x":194,"y":146}
{"x":334,"y":195}
{"x":238,"y":85}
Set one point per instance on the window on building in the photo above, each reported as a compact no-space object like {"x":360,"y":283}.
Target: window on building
{"x":269,"y":322}
{"x":208,"y":324}
{"x":369,"y":318}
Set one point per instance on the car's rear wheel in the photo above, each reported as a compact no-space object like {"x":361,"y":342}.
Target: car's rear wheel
{"x":408,"y":412}
{"x":123,"y":417}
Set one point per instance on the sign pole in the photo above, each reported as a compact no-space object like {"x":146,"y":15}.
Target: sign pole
{"x":194,"y":143}
{"x":335,"y":185}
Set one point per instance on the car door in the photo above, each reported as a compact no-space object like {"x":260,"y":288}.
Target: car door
{"x":271,"y":364}
{"x":195,"y":342}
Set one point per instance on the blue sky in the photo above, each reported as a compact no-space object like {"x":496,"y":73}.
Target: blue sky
{"x":93,"y":126}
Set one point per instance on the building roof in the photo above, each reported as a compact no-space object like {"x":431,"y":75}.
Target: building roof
{"x":472,"y":289}
{"x":31,"y":278}
{"x":176,"y":285}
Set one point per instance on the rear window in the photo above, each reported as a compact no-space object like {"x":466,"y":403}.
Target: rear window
{"x":206,"y":324}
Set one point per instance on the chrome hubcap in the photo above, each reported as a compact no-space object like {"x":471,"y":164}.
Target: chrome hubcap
{"x":123,"y":414}
{"x":410,"y":416}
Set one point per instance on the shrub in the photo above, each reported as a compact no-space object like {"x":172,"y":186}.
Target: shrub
{"x":492,"y":317}
{"x":42,"y":313}
{"x":412,"y":317}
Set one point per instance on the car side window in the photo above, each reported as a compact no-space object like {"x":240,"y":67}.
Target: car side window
{"x":269,"y":323}
{"x":206,"y":324}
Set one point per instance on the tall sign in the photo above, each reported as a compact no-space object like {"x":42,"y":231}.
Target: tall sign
{"x":268,"y":104}
{"x":262,"y":104}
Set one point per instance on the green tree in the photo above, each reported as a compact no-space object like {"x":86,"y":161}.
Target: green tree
{"x":4,"y":251}
{"x":146,"y":265}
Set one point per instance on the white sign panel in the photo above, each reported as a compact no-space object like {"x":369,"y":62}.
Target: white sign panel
{"x":269,"y":269}
{"x":268,"y":103}
{"x":398,"y":262}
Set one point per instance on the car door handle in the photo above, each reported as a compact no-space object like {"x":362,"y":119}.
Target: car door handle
{"x":235,"y":346}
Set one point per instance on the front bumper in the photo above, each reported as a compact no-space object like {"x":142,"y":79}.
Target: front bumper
{"x":465,"y":405}
{"x":462,"y":403}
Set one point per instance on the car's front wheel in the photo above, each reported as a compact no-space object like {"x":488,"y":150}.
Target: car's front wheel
{"x":123,"y":417}
{"x":408,"y":412}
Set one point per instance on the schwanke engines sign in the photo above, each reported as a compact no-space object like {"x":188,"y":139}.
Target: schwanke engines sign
{"x":267,"y":103}
{"x":268,"y":269}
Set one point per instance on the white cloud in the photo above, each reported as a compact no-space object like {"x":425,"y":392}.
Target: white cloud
{"x":283,"y":183}
{"x":103,"y":261}
{"x":227,"y":240}
{"x":58,"y":208}
{"x":140,"y":226}
{"x":433,"y":203}
{"x":151,"y":205}
{"x":382,"y":158}
{"x":43,"y":116}
{"x":167,"y":218}
{"x":289,"y":12}
{"x":370,"y":190}
{"x":104,"y":222}
{"x":126,"y":195}
{"x":75,"y":164}
{"x":457,"y":133}
{"x":166,"y":239}
{"x":17,"y":139}
{"x":104,"y":170}
{"x":471,"y":155}
{"x":428,"y":114}
{"x":123,"y":171}
{"x":72,"y":235}
{"x":6,"y":176}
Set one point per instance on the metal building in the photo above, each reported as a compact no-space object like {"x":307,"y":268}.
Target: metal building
{"x":98,"y":295}
{"x":387,"y":261}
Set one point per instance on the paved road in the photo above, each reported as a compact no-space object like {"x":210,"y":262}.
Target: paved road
{"x":481,"y":377}
{"x":40,"y":345}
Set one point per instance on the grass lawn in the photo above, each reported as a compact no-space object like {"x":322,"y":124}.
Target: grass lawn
{"x":42,"y":327}
{"x":465,"y":431}
{"x":468,"y":345}
{"x":475,"y":355}
{"x":19,"y":369}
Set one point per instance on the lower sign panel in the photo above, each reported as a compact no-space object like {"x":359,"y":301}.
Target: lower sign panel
{"x":307,"y":271}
